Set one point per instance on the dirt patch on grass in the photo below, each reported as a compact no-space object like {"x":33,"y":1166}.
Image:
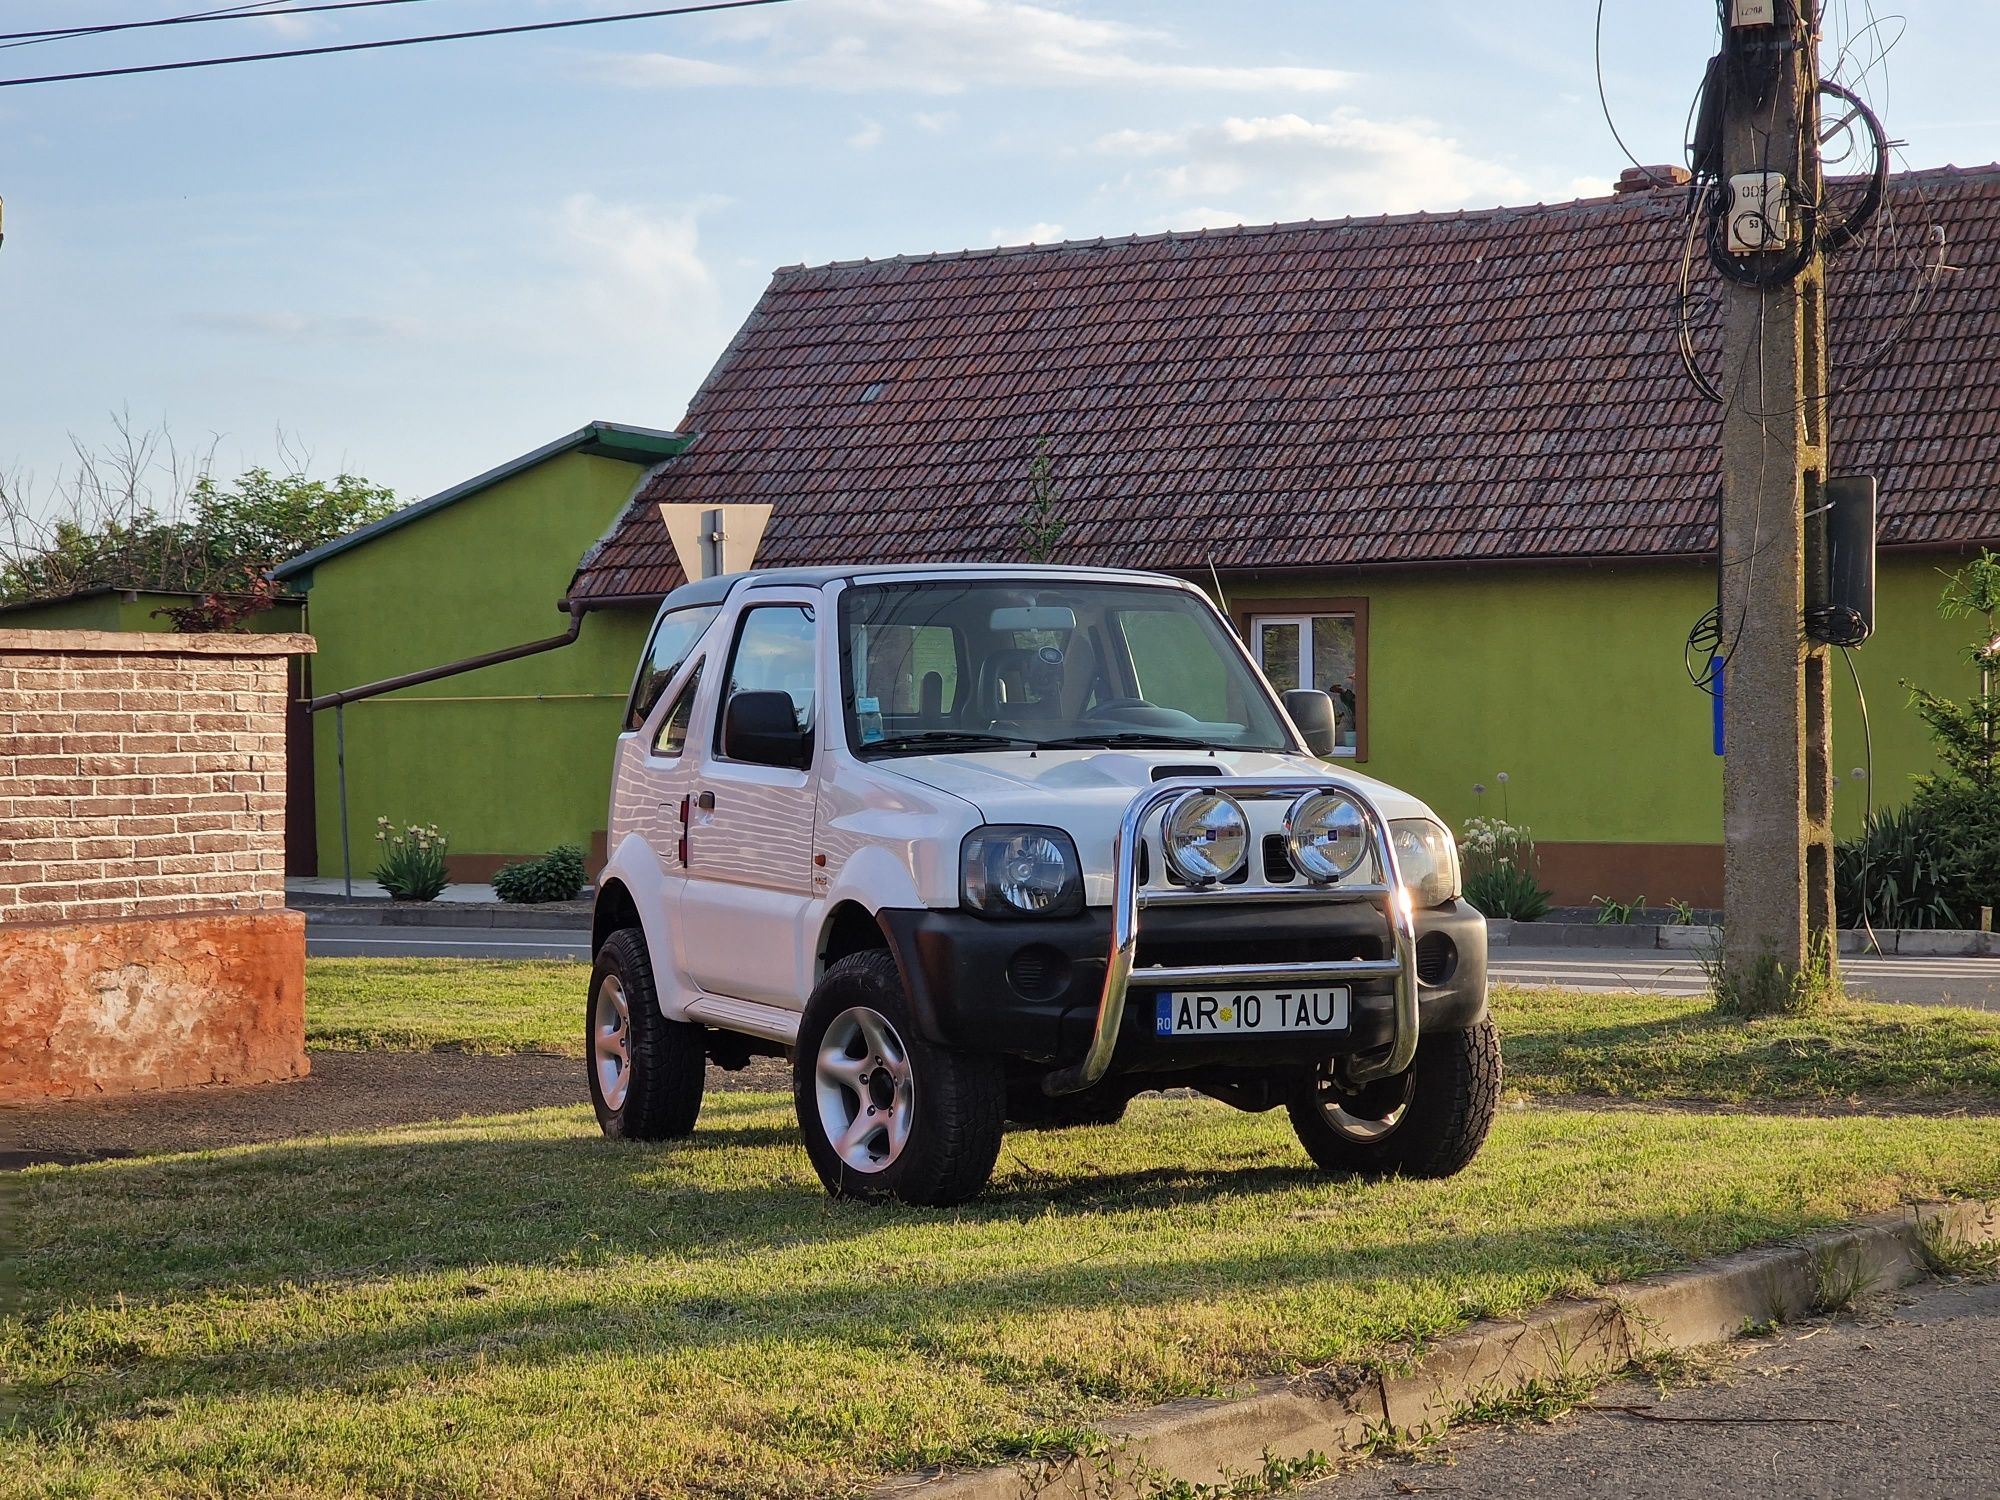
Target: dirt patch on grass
{"x":346,"y":1092}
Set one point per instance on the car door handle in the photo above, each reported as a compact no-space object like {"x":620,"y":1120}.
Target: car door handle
{"x":705,"y":801}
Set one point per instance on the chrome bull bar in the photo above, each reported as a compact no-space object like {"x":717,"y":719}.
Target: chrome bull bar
{"x":1128,"y":900}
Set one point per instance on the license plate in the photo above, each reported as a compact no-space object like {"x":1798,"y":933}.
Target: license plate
{"x":1187,"y":1013}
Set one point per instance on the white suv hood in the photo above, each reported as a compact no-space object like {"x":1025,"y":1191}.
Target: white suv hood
{"x":1085,"y":792}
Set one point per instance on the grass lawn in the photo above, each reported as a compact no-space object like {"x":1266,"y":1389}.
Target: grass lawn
{"x":1556,"y":1041}
{"x":517,"y":1307}
{"x":467,"y":1004}
{"x":1660,"y":1047}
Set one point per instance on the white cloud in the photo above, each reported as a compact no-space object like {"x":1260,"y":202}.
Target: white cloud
{"x":633,"y":275}
{"x":1287,"y":166}
{"x":1042,"y":233}
{"x":663,"y":70}
{"x":935,"y":120}
{"x":289,"y":324}
{"x":950,"y":46}
{"x":870,"y":134}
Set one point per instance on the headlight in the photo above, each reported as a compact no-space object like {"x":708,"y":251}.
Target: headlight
{"x":1021,"y":871}
{"x":1429,"y":860}
{"x":1326,"y":836}
{"x":1206,"y":836}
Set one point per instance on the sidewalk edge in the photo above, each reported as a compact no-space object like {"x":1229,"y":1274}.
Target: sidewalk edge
{"x":1330,"y":1412}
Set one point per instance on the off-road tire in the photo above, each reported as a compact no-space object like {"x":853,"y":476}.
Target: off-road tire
{"x":668,"y":1064}
{"x":1454,"y":1094}
{"x":959,"y":1098}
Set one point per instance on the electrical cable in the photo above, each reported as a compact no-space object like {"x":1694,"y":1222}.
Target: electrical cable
{"x":1603,"y":102}
{"x":401,"y":41}
{"x":252,"y":11}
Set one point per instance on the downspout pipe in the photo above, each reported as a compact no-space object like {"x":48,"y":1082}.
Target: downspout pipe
{"x":452,"y":669}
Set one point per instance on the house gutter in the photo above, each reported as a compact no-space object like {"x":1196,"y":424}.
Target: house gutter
{"x":338,"y":703}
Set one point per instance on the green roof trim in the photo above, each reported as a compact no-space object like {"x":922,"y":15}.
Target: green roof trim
{"x":644,"y":446}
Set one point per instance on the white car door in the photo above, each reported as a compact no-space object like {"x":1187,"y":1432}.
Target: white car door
{"x":748,"y":903}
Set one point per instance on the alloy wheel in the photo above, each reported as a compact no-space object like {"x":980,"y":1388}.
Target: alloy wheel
{"x":865,"y":1090}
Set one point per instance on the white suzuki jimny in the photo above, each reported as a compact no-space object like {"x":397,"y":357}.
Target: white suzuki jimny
{"x":973,"y":844}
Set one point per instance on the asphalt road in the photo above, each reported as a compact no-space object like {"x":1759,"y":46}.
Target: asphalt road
{"x":1898,"y":1402}
{"x":328,"y":941}
{"x":1910,"y":981}
{"x":1904,"y":981}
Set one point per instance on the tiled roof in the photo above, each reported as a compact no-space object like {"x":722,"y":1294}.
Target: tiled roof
{"x":1492,"y":386}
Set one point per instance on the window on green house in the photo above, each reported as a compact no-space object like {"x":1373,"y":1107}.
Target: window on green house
{"x":1322,"y":649}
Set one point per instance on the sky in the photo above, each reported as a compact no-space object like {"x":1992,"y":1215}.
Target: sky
{"x":414,"y":264}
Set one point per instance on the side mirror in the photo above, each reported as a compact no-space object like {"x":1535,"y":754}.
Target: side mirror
{"x":1312,"y":711}
{"x":763,"y":728}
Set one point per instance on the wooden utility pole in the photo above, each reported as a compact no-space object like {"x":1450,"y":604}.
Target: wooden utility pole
{"x":1779,"y":945}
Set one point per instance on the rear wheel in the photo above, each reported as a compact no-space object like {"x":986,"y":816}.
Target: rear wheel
{"x":1426,"y":1122}
{"x":884,"y":1113}
{"x":646,"y":1071}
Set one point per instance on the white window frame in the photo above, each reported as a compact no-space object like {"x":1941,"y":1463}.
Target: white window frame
{"x":1306,"y":676}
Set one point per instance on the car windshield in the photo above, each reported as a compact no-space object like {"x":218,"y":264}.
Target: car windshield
{"x":964,"y":666}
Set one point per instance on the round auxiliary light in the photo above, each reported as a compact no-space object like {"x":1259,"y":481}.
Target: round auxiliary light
{"x":1326,"y":835}
{"x":1206,"y":835}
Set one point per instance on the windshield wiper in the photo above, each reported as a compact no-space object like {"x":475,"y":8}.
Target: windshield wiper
{"x":1136,"y":739}
{"x":939,"y":739}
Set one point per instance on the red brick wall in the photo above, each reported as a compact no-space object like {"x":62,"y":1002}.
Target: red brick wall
{"x":141,"y":775}
{"x":142,"y":829}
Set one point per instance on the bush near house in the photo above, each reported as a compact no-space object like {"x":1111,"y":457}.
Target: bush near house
{"x":1936,"y":862}
{"x":412,"y":867}
{"x":556,"y":876}
{"x":1500,"y":870}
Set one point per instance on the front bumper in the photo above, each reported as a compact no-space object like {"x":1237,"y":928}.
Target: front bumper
{"x":1029,"y":989}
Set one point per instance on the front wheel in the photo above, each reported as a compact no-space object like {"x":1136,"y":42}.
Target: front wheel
{"x":884,"y":1113}
{"x":1426,"y":1122}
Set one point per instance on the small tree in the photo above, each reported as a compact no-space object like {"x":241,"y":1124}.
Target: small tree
{"x":140,"y":514}
{"x":1043,"y":527}
{"x":1962,"y":799}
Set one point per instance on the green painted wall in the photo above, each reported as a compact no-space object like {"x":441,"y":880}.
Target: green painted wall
{"x":1570,"y":680}
{"x":113,"y":611}
{"x":501,"y":771}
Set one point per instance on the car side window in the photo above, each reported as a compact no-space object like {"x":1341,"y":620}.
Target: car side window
{"x":775,"y":653}
{"x":672,"y":738}
{"x":673,"y":640}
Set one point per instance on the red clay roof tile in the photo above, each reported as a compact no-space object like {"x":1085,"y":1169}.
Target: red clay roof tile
{"x":1496,"y":386}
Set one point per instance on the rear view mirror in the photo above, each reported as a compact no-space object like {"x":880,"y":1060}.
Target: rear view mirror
{"x":1312,"y":711}
{"x":763,"y":729}
{"x":1058,"y":617}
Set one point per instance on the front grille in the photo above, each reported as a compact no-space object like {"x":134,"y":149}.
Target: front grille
{"x":1277,"y":864}
{"x":1256,"y":933}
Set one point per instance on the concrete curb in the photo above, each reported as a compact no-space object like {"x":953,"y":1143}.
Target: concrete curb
{"x":1208,"y":1442}
{"x":1909,"y":941}
{"x":429,"y":914}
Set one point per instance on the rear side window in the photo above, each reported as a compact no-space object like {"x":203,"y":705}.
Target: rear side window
{"x":672,"y":738}
{"x":673,"y":640}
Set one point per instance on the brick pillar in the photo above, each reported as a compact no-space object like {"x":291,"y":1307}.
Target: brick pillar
{"x":144,"y":941}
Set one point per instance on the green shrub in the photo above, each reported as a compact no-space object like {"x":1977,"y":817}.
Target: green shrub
{"x":1900,"y":872}
{"x":1499,"y":871}
{"x":556,"y":876}
{"x":1957,"y":807}
{"x":412,"y":867}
